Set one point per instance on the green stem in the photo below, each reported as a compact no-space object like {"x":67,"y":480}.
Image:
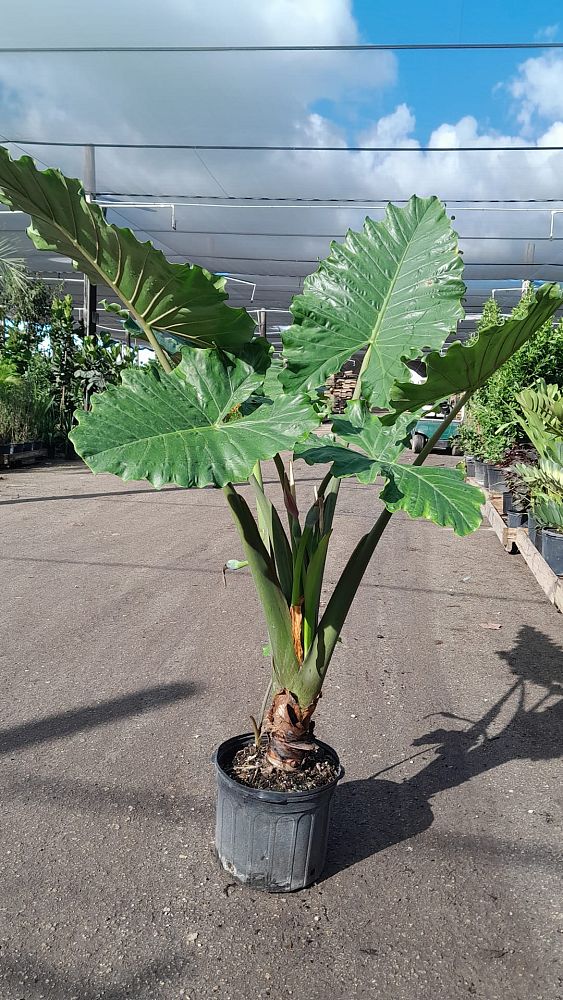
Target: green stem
{"x":365,"y":362}
{"x":163,"y":360}
{"x":442,"y":427}
{"x":257,"y":472}
{"x":293,"y":522}
{"x":280,"y":469}
{"x":322,"y":648}
{"x":268,"y":588}
{"x":324,"y":483}
{"x":318,"y":659}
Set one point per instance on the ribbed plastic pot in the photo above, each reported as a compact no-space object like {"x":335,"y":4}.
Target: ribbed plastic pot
{"x":516,"y":519}
{"x":552,"y":549}
{"x":273,"y":841}
{"x":495,"y":479}
{"x":487,"y":467}
{"x":480,"y":472}
{"x":533,"y":530}
{"x":507,"y":501}
{"x":470,"y":465}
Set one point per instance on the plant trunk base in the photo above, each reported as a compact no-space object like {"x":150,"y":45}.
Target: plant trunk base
{"x":290,"y":732}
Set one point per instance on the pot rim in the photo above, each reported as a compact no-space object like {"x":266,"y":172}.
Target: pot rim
{"x":269,"y":795}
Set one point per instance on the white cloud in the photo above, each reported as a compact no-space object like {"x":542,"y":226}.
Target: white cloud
{"x":538,"y":88}
{"x":547,"y":34}
{"x":391,"y":130}
{"x":265,"y":99}
{"x":211,"y":98}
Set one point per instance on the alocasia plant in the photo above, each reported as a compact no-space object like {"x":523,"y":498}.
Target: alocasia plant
{"x":218,"y":408}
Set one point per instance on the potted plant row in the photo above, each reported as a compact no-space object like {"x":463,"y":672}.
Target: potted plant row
{"x":516,"y":494}
{"x":215,"y":406}
{"x":541,"y":416}
{"x":22,"y":413}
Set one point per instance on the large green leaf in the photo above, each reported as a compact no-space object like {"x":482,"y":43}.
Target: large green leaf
{"x":359,"y":444}
{"x":440,"y":495}
{"x":180,"y":299}
{"x":363,"y":430}
{"x":180,"y":427}
{"x":392,"y":289}
{"x":469,"y":367}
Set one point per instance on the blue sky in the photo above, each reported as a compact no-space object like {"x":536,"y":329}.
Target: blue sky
{"x":443,"y":87}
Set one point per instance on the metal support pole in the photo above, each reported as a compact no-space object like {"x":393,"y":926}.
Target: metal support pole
{"x":89,"y":314}
{"x":262,"y":323}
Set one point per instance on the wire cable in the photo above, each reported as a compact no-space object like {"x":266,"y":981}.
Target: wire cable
{"x":368,"y":47}
{"x":211,"y":147}
{"x":329,"y":201}
{"x":341,"y":201}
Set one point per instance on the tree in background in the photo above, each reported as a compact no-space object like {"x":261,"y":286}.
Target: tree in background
{"x":25,"y":310}
{"x":99,"y":363}
{"x":63,"y":346}
{"x":48,"y":366}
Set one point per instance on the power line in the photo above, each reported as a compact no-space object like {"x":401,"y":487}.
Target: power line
{"x":397,"y":201}
{"x":286,"y":149}
{"x":382,"y":47}
{"x":329,"y":201}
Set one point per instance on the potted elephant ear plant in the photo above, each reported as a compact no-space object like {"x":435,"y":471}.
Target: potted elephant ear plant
{"x":215,"y":407}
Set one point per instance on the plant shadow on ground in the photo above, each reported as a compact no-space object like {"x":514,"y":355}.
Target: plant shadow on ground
{"x":388,"y":812}
{"x":76,"y":720}
{"x":48,"y":982}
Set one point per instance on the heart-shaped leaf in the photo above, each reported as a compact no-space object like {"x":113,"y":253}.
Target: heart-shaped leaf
{"x":185,"y":427}
{"x":391,"y":290}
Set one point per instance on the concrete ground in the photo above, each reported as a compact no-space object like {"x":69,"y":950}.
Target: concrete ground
{"x":124,"y":662}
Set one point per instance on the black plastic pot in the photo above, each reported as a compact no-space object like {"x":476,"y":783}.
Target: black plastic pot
{"x":534,"y":532}
{"x":7,"y":449}
{"x":274,"y":841}
{"x":552,"y":549}
{"x":479,"y":472}
{"x":495,"y":479}
{"x":516,"y":519}
{"x":470,"y":465}
{"x":507,"y":502}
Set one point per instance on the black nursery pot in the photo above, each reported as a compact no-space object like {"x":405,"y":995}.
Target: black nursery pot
{"x":470,"y":465}
{"x":516,"y":519}
{"x":507,"y":501}
{"x":274,"y":841}
{"x":534,"y":532}
{"x":495,"y":479}
{"x":486,"y":467}
{"x":479,"y":472}
{"x":552,"y":549}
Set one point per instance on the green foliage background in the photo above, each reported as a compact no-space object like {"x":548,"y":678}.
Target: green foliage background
{"x":491,"y":427}
{"x":48,"y":366}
